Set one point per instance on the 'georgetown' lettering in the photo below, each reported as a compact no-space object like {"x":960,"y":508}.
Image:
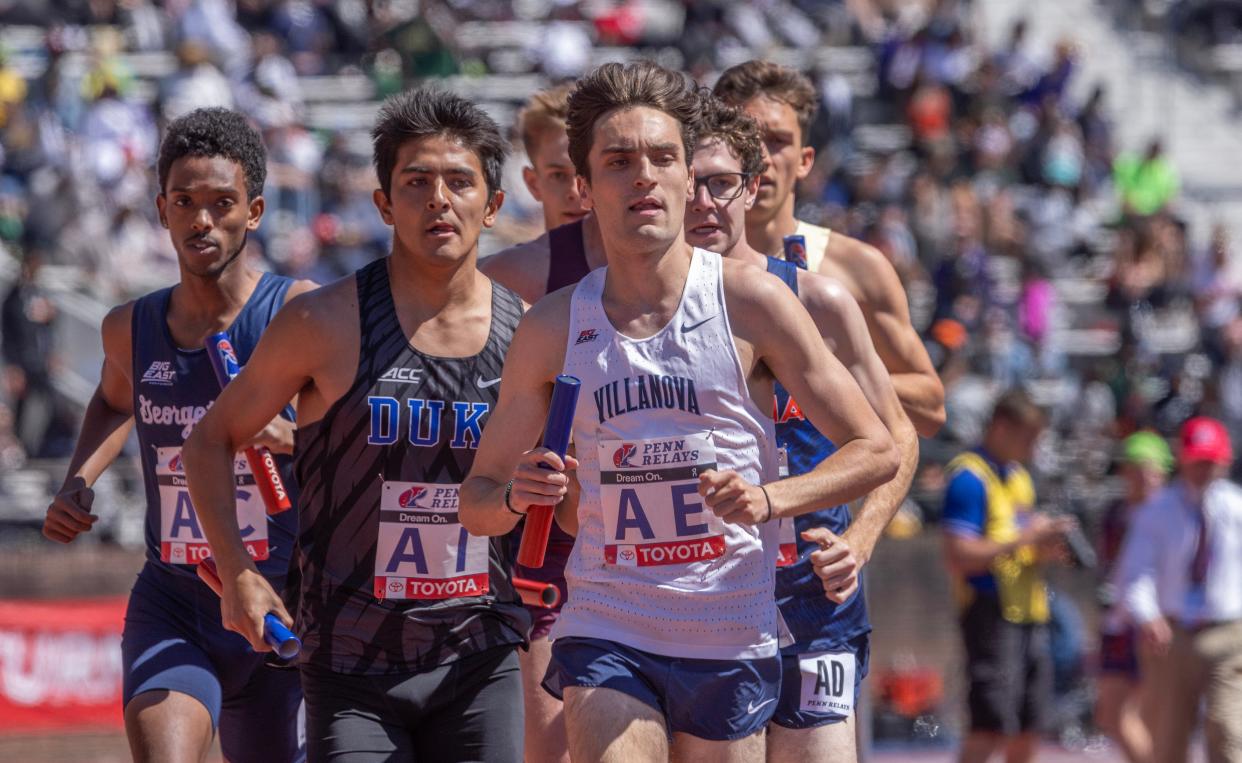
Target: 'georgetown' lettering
{"x":184,"y":416}
{"x":638,"y":393}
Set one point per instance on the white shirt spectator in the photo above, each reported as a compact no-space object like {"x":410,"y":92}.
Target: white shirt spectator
{"x":1154,"y":572}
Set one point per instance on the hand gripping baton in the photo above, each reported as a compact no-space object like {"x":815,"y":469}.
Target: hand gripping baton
{"x":556,"y":439}
{"x":262,"y":464}
{"x":536,"y":594}
{"x":280,"y":638}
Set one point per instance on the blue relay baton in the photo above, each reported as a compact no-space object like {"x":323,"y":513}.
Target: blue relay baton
{"x":278,"y":637}
{"x":556,"y":439}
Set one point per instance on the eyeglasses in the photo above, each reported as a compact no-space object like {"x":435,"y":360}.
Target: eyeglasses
{"x":723,"y":186}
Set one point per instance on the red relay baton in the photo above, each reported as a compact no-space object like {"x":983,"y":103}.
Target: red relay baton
{"x":536,"y":594}
{"x":262,"y":463}
{"x":556,"y":439}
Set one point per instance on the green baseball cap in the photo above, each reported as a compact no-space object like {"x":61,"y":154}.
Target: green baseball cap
{"x":1147,"y":448}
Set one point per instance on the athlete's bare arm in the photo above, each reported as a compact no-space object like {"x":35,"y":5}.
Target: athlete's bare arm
{"x":874,"y":283}
{"x":523,"y":268}
{"x":535,"y":357}
{"x":105,"y":427}
{"x":277,"y":436}
{"x":842,"y":325}
{"x":776,"y":337}
{"x":310,"y":350}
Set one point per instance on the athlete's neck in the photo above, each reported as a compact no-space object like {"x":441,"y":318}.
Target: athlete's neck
{"x":593,"y":242}
{"x":202,"y":305}
{"x":768,"y":236}
{"x":431,"y":288}
{"x":641,"y":292}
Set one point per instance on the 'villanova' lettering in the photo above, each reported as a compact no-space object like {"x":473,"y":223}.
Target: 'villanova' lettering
{"x":424,"y":425}
{"x":639,"y":393}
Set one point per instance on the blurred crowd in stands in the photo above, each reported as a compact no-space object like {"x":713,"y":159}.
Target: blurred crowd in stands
{"x":1034,"y":249}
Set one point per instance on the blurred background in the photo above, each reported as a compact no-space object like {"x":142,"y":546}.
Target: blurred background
{"x":1054,"y":183}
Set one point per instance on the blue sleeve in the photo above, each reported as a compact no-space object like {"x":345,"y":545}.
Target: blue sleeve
{"x":965,"y":505}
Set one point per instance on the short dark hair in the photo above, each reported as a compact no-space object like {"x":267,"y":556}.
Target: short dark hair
{"x":737,"y":129}
{"x":430,"y":111}
{"x":616,"y":86}
{"x":748,"y":80}
{"x":215,"y":132}
{"x":1016,"y":407}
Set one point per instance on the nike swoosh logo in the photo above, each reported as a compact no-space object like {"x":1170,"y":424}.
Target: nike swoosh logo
{"x":485,"y":384}
{"x":688,"y":327}
{"x":752,"y":708}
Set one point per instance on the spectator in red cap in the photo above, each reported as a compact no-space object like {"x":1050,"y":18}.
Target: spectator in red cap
{"x":1181,"y":579}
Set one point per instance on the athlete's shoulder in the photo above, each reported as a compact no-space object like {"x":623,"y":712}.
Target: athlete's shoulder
{"x":299,"y":287}
{"x":825,"y":292}
{"x":870,"y":273}
{"x":748,"y":282}
{"x":522,"y":267}
{"x":116,"y":329}
{"x":322,"y":305}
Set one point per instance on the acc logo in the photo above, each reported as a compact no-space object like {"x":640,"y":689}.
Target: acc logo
{"x":621,"y":459}
{"x":587,"y":335}
{"x":395,"y":585}
{"x":409,"y":499}
{"x":174,"y":464}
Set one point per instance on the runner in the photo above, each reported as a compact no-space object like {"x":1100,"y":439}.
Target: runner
{"x":556,"y":259}
{"x":823,"y":669}
{"x":409,"y":624}
{"x":784,"y":102}
{"x":572,"y":246}
{"x":669,"y":639}
{"x":184,"y":674}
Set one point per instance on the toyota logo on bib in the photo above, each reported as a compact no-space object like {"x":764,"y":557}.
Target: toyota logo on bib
{"x":395,"y":586}
{"x":409,"y":499}
{"x":621,"y":459}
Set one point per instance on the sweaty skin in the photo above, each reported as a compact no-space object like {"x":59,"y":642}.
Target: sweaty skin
{"x":437,"y":206}
{"x":860,"y":268}
{"x":638,"y":188}
{"x":208,"y":214}
{"x":719,"y":226}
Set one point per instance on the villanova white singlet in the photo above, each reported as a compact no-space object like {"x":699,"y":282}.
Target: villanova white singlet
{"x":652,"y":567}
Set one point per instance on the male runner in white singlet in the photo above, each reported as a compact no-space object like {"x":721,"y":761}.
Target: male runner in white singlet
{"x":669,"y":641}
{"x":819,"y":576}
{"x":783,"y":101}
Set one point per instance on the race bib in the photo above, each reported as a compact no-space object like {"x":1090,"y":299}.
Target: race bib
{"x":423,"y":552}
{"x":649,"y":492}
{"x":181,"y":539}
{"x":785,"y":533}
{"x":827,"y":683}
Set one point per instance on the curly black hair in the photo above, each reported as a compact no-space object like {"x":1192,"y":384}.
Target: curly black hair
{"x":430,"y":111}
{"x":216,"y":132}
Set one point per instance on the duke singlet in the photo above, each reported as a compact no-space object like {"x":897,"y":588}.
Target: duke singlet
{"x":653,"y":568}
{"x":173,"y":388}
{"x":815,"y":622}
{"x":392,"y":583}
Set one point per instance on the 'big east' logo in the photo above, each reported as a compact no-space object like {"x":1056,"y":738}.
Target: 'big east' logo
{"x":409,"y":499}
{"x":621,"y":459}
